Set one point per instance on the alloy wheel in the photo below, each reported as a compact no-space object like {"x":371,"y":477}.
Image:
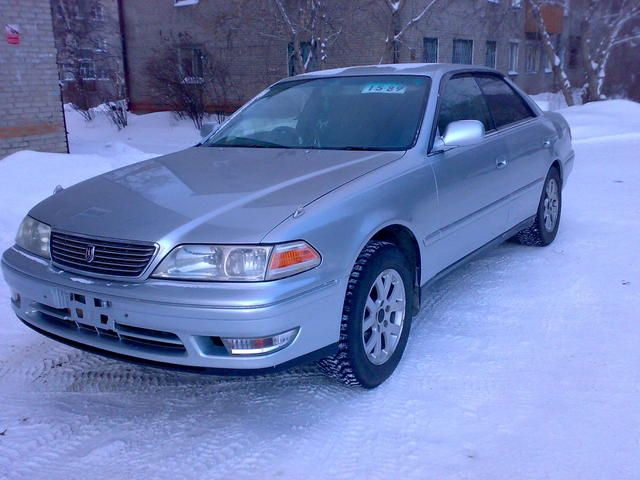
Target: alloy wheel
{"x":383,"y":316}
{"x":551,"y":205}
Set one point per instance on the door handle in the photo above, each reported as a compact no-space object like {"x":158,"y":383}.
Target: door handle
{"x":546,"y":143}
{"x":501,"y":163}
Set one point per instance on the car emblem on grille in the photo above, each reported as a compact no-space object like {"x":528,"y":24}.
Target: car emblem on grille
{"x":90,"y":253}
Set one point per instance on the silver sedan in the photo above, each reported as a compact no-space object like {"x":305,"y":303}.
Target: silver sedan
{"x":309,"y":226}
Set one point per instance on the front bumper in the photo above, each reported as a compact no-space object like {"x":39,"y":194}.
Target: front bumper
{"x":176,"y":324}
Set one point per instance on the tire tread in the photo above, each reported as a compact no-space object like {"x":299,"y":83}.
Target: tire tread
{"x":339,"y":365}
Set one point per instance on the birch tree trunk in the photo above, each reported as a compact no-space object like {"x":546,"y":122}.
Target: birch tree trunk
{"x":557,"y":65}
{"x":603,"y":27}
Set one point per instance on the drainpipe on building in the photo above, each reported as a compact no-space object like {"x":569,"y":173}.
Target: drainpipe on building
{"x":60,"y":83}
{"x":123,"y":47}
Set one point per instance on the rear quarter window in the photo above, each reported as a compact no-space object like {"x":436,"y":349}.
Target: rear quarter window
{"x":506,"y":105}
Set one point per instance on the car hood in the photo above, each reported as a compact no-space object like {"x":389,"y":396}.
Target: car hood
{"x":204,"y":194}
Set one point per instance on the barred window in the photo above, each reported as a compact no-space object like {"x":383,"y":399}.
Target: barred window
{"x":191,"y":62}
{"x":513,"y":57}
{"x":430,"y":49}
{"x":490,"y":56}
{"x":87,"y":69}
{"x":462,"y":51}
{"x":533,"y":57}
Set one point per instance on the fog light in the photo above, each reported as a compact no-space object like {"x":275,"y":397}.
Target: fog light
{"x":261,"y":345}
{"x":15,"y":299}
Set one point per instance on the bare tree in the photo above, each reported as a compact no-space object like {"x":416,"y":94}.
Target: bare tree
{"x":553,"y":49}
{"x":310,"y":30}
{"x":604,"y":26}
{"x":190,"y":80}
{"x":396,"y":30}
{"x":87,"y":35}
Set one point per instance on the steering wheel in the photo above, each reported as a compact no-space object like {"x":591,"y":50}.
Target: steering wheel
{"x":285,"y":135}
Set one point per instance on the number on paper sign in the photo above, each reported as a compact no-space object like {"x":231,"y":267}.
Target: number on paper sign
{"x":384,"y":88}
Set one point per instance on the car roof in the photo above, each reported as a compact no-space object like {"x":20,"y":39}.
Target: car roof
{"x":426,"y":69}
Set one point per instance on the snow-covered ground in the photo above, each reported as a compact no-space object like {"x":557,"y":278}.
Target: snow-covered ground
{"x":524,"y":364}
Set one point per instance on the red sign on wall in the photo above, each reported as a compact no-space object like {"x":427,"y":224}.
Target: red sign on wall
{"x":13,"y":34}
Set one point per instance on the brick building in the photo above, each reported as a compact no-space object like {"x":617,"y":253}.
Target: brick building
{"x":251,"y":39}
{"x":30,"y":104}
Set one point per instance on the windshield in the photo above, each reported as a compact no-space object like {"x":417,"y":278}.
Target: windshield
{"x":342,"y":113}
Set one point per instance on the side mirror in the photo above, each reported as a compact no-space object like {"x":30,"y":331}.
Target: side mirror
{"x":208,"y":128}
{"x":461,"y":133}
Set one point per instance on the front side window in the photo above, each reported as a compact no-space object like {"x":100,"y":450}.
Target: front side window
{"x":462,"y":100}
{"x":341,"y":113}
{"x":462,"y":51}
{"x":506,"y":105}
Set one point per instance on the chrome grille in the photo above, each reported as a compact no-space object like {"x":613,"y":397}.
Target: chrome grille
{"x":122,"y":259}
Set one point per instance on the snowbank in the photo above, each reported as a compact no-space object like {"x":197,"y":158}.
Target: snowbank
{"x":604,"y":121}
{"x":157,"y":133}
{"x":521,"y":365}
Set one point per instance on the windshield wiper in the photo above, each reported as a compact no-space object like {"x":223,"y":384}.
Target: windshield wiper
{"x":364,"y":149}
{"x":250,"y":143}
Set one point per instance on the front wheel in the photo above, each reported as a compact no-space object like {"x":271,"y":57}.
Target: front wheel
{"x":545,"y":227}
{"x":376,"y":317}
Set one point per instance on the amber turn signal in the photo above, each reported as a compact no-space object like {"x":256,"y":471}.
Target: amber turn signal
{"x":291,"y":258}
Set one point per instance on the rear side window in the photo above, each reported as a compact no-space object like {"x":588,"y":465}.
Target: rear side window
{"x":506,"y":105}
{"x":463,"y":100}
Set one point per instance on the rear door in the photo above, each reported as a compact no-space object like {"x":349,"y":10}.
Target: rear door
{"x":471,"y":181}
{"x":526,"y":142}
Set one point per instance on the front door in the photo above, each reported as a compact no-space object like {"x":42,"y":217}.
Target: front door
{"x":473,"y":189}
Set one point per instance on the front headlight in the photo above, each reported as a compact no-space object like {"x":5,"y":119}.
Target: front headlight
{"x":33,"y":236}
{"x":237,"y":263}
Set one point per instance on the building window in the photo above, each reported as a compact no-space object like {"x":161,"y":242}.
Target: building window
{"x":490,"y":55}
{"x":513,"y":57}
{"x":516,"y":3}
{"x":102,"y":72}
{"x":184,"y":3}
{"x":574,"y":47}
{"x":430,"y":50}
{"x":462,"y":51}
{"x":191,"y":62}
{"x":546,"y":62}
{"x":87,"y":69}
{"x":67,"y":73}
{"x":101,"y":45}
{"x":306,"y":51}
{"x":533,"y":57}
{"x":98,"y":12}
{"x":77,"y":12}
{"x":494,"y":1}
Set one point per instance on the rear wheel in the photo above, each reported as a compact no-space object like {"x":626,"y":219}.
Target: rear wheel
{"x":376,"y":317}
{"x":545,"y":227}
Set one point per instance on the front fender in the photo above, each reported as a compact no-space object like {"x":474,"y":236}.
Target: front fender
{"x":341,"y":223}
